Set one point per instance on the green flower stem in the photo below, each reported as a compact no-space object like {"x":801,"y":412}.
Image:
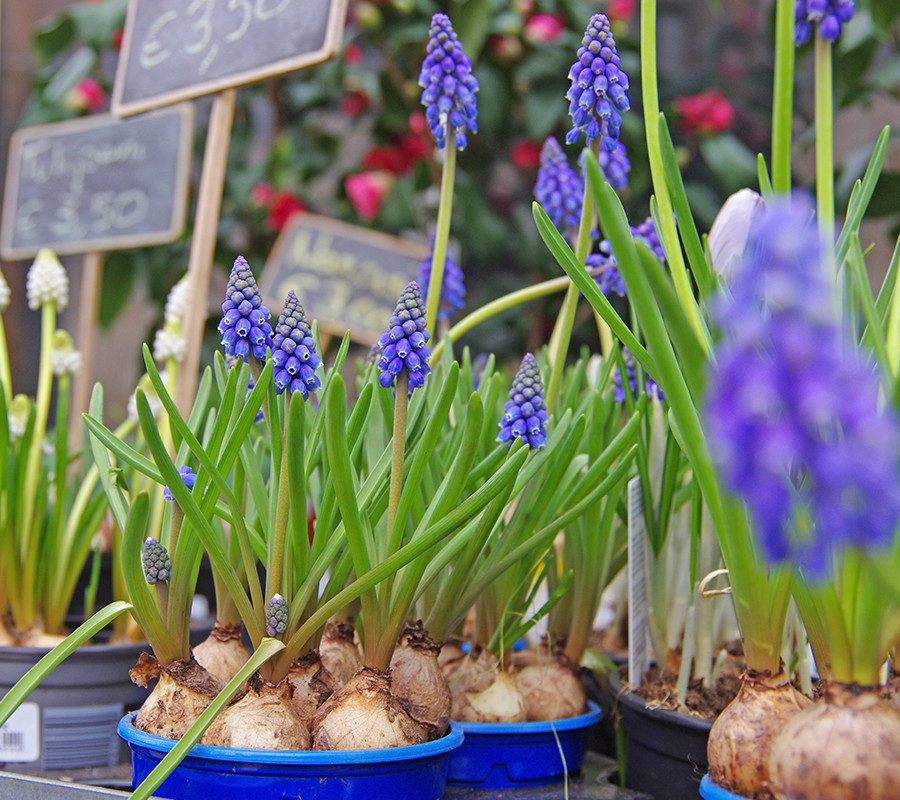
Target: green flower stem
{"x":5,"y":377}
{"x":401,"y":406}
{"x":278,"y":538}
{"x":498,"y":306}
{"x":162,"y":597}
{"x":783,"y":96}
{"x":42,"y":404}
{"x":562,"y":331}
{"x":441,"y":234}
{"x":668,"y":231}
{"x":824,"y":93}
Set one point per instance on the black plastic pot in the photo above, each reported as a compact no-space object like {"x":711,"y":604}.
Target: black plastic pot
{"x":665,"y":753}
{"x":75,"y":711}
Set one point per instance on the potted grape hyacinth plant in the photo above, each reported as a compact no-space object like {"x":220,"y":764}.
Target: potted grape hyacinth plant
{"x":53,"y":517}
{"x":779,"y":372}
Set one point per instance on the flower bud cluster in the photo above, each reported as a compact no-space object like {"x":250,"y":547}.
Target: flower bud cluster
{"x":651,"y":387}
{"x":245,"y":326}
{"x":404,"y":345}
{"x":448,"y":85}
{"x":276,"y":614}
{"x":597,"y":97}
{"x":64,"y":358}
{"x":558,"y":188}
{"x":156,"y":562}
{"x":615,"y":166}
{"x":189,"y":478}
{"x":294,"y":351}
{"x":524,"y":413}
{"x":47,"y":282}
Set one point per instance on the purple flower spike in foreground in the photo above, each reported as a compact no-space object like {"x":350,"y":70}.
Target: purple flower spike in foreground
{"x":793,"y":413}
{"x":189,"y":478}
{"x":294,"y":351}
{"x":453,"y":287}
{"x":448,"y":85}
{"x":245,"y":324}
{"x":558,"y":188}
{"x":525,"y":413}
{"x":404,"y":346}
{"x":597,"y":97}
{"x":156,"y":562}
{"x":828,"y":16}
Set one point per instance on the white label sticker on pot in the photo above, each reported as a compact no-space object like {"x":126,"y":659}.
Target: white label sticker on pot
{"x":20,"y":735}
{"x":638,"y":622}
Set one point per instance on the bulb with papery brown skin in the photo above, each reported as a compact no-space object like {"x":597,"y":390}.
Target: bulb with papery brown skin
{"x":339,"y":652}
{"x":262,"y":719}
{"x":181,"y":695}
{"x":846,"y":746}
{"x":500,"y":702}
{"x":474,"y":672}
{"x":742,"y":736}
{"x":364,"y":715}
{"x":312,"y":685}
{"x":451,"y":650}
{"x":552,"y":689}
{"x":418,"y":682}
{"x":222,"y":653}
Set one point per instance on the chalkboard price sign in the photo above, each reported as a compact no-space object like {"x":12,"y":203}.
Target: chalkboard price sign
{"x":97,"y":183}
{"x":346,"y":277}
{"x":177,"y":49}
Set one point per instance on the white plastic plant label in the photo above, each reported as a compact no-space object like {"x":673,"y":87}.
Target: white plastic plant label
{"x":638,"y":622}
{"x":20,"y":735}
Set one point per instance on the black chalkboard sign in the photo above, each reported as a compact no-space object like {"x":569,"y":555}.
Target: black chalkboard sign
{"x":176,"y":49}
{"x":346,"y":277}
{"x":97,"y":183}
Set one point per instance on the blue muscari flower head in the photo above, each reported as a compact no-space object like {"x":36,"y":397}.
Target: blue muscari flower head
{"x":558,"y":188}
{"x":276,"y":614}
{"x":404,"y":345}
{"x":615,"y":166}
{"x":793,"y":412}
{"x":187,"y":475}
{"x":155,"y":560}
{"x":524,"y":413}
{"x":651,"y":387}
{"x":294,"y":351}
{"x":448,"y":85}
{"x":608,"y":278}
{"x":245,"y":324}
{"x":827,"y":16}
{"x":597,"y":97}
{"x":453,"y":287}
{"x":646,"y":233}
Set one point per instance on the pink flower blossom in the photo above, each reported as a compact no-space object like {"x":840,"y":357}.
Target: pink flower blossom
{"x":282,"y":206}
{"x":707,"y":112}
{"x":88,"y":95}
{"x":543,"y":28}
{"x":367,"y":190}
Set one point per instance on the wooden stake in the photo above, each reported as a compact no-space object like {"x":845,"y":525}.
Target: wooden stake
{"x":88,"y":314}
{"x":203,"y":241}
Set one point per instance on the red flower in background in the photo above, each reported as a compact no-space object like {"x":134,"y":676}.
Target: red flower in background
{"x":354,"y":103}
{"x":526,"y":154}
{"x":367,"y":190}
{"x":352,"y":53}
{"x":261,"y":194}
{"x":707,"y":112}
{"x":117,"y":39}
{"x":620,"y":10}
{"x":282,"y":206}
{"x":86,"y":95}
{"x":387,"y":158}
{"x":543,"y":28}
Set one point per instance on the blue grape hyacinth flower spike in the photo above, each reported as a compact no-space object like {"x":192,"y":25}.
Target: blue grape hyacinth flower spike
{"x":558,"y":188}
{"x":245,"y":326}
{"x":404,"y":345}
{"x":524,"y":413}
{"x":294,"y":351}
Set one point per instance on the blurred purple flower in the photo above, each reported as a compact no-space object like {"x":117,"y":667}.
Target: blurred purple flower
{"x":453,"y":287}
{"x":558,"y":189}
{"x":828,"y":16}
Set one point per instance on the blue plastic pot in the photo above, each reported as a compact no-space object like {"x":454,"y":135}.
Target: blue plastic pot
{"x":417,"y":772}
{"x":712,"y":791}
{"x":518,"y":754}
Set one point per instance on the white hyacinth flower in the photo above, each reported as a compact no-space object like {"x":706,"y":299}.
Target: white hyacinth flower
{"x":170,"y":343}
{"x":64,"y":358}
{"x":4,"y":293}
{"x":176,"y":302}
{"x":730,"y":229}
{"x":47,"y":281}
{"x":17,"y":416}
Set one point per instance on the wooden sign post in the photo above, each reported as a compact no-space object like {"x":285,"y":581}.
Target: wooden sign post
{"x":173,"y":50}
{"x":95,"y":184}
{"x":345,"y":276}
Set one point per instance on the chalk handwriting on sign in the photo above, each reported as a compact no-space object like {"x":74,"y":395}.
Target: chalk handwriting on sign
{"x":176,"y":49}
{"x":97,"y":183}
{"x":345,"y":276}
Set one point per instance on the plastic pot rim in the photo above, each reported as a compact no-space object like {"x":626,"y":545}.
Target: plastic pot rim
{"x":710,"y":790}
{"x":550,"y":726}
{"x":137,"y":738}
{"x":633,"y":701}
